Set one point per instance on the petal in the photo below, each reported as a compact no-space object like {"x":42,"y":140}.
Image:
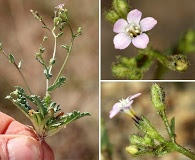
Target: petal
{"x":114,"y":113}
{"x":134,"y":96}
{"x":116,"y":106}
{"x":121,"y":41}
{"x":141,"y":41}
{"x":134,"y":16}
{"x":147,"y":23}
{"x":116,"y":109}
{"x":128,"y":101}
{"x":120,"y":25}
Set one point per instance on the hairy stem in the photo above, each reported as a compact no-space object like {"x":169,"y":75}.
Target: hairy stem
{"x":53,"y":57}
{"x":67,"y":56}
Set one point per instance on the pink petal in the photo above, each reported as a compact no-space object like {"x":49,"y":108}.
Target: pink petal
{"x":116,"y":106}
{"x":134,"y":96}
{"x":134,"y":16}
{"x":147,"y":23}
{"x":141,"y":41}
{"x":121,"y":41}
{"x":120,"y":25}
{"x":116,"y":109}
{"x":113,"y":113}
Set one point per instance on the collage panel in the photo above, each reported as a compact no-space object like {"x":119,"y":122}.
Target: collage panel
{"x":49,"y":80}
{"x":147,"y":40}
{"x":147,"y":120}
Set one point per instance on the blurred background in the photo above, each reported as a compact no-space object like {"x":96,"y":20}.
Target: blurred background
{"x":179,"y":98}
{"x":21,"y":35}
{"x":174,"y":18}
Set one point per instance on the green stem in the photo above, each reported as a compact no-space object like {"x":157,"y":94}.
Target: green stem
{"x":168,"y":128}
{"x":159,"y":56}
{"x":67,"y":56}
{"x":180,"y":149}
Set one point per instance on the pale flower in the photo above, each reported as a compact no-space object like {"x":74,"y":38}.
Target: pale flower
{"x":60,"y":6}
{"x":124,"y":106}
{"x":133,"y":30}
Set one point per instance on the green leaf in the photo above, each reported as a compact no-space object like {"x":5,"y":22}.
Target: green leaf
{"x":55,"y":125}
{"x":11,"y":58}
{"x":66,"y":46}
{"x":60,"y":81}
{"x":60,"y":34}
{"x":18,"y":98}
{"x":46,"y":72}
{"x":74,"y":115}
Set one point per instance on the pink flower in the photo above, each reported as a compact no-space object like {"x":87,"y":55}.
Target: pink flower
{"x":124,"y":106}
{"x":133,"y":30}
{"x":60,"y":6}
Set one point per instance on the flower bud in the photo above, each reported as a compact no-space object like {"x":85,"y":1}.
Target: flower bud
{"x":63,"y":14}
{"x":79,"y":31}
{"x":158,"y":97}
{"x":182,"y":65}
{"x":111,"y":16}
{"x":122,"y":7}
{"x":38,"y":54}
{"x":57,"y":21}
{"x":52,"y":61}
{"x":177,"y":63}
{"x":132,"y":149}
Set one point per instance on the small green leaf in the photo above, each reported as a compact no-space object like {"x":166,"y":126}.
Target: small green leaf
{"x":60,"y":34}
{"x":11,"y":58}
{"x":46,"y":72}
{"x":66,"y":47}
{"x":60,"y":81}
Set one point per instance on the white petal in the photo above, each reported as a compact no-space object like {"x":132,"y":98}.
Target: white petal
{"x":147,"y":23}
{"x":121,"y":41}
{"x":141,"y":41}
{"x":134,"y":96}
{"x":120,"y":25}
{"x":134,"y":16}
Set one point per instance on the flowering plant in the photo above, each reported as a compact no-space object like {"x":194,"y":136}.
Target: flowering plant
{"x":151,"y":141}
{"x":45,"y":114}
{"x":130,"y":28}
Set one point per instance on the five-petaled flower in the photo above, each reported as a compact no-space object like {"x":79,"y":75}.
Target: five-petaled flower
{"x":133,"y":30}
{"x":125,"y":106}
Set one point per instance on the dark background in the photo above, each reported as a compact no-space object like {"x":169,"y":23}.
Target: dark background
{"x":174,"y":17}
{"x":179,"y":99}
{"x":21,"y":35}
